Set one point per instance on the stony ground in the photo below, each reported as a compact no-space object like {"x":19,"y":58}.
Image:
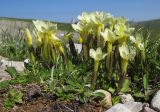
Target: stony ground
{"x":36,"y":101}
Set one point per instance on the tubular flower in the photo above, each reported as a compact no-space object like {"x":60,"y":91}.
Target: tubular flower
{"x":49,"y":45}
{"x":29,"y":37}
{"x":97,"y":55}
{"x":126,"y":54}
{"x":122,"y":30}
{"x":85,"y":17}
{"x":138,"y":42}
{"x":109,"y":36}
{"x":99,"y":20}
{"x":84,"y":24}
{"x":84,"y":28}
{"x":42,"y":26}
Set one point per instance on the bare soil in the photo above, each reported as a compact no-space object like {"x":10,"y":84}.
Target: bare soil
{"x":43,"y":102}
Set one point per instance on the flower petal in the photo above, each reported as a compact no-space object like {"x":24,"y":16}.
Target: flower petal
{"x":92,"y":53}
{"x":132,"y":38}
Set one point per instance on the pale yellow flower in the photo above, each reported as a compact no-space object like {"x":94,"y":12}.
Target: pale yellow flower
{"x":138,"y":42}
{"x":29,"y":37}
{"x":126,"y":53}
{"x":97,"y":54}
{"x":109,"y":36}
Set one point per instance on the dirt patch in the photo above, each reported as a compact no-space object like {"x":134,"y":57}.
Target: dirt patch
{"x":47,"y":103}
{"x":43,"y":105}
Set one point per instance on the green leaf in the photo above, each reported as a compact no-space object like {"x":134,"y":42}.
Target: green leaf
{"x":139,"y":95}
{"x":8,"y":103}
{"x":69,"y":88}
{"x":71,"y":82}
{"x":12,"y":71}
{"x":145,"y":81}
{"x":112,"y":90}
{"x":18,"y":98}
{"x":15,"y":96}
{"x":126,"y":85}
{"x":21,"y":79}
{"x":115,"y":100}
{"x":4,"y":85}
{"x":59,"y":90}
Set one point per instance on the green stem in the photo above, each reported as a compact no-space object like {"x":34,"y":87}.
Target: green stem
{"x":85,"y":51}
{"x":98,"y":37}
{"x":95,"y":74}
{"x":108,"y":60}
{"x":121,"y":81}
{"x":124,"y":65}
{"x":145,"y":77}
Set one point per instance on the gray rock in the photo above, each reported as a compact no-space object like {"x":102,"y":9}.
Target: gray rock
{"x":3,"y":58}
{"x":19,"y":66}
{"x":145,"y":105}
{"x":107,"y":100}
{"x":155,"y":103}
{"x":4,"y":75}
{"x":130,"y":106}
{"x":134,"y":106}
{"x":118,"y":108}
{"x":78,"y":47}
{"x":147,"y":109}
{"x":126,"y":98}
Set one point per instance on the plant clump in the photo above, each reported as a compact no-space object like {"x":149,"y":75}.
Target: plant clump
{"x":115,"y":58}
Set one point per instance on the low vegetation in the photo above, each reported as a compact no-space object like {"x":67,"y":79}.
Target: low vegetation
{"x":115,"y":57}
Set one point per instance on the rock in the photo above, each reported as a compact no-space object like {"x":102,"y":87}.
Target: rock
{"x":78,"y":47}
{"x":107,"y":100}
{"x":134,"y":106}
{"x":145,"y":105}
{"x":155,"y":103}
{"x":3,"y":58}
{"x":126,"y":98}
{"x":4,"y":75}
{"x":18,"y":65}
{"x":147,"y":109}
{"x":118,"y":108}
{"x":130,"y":106}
